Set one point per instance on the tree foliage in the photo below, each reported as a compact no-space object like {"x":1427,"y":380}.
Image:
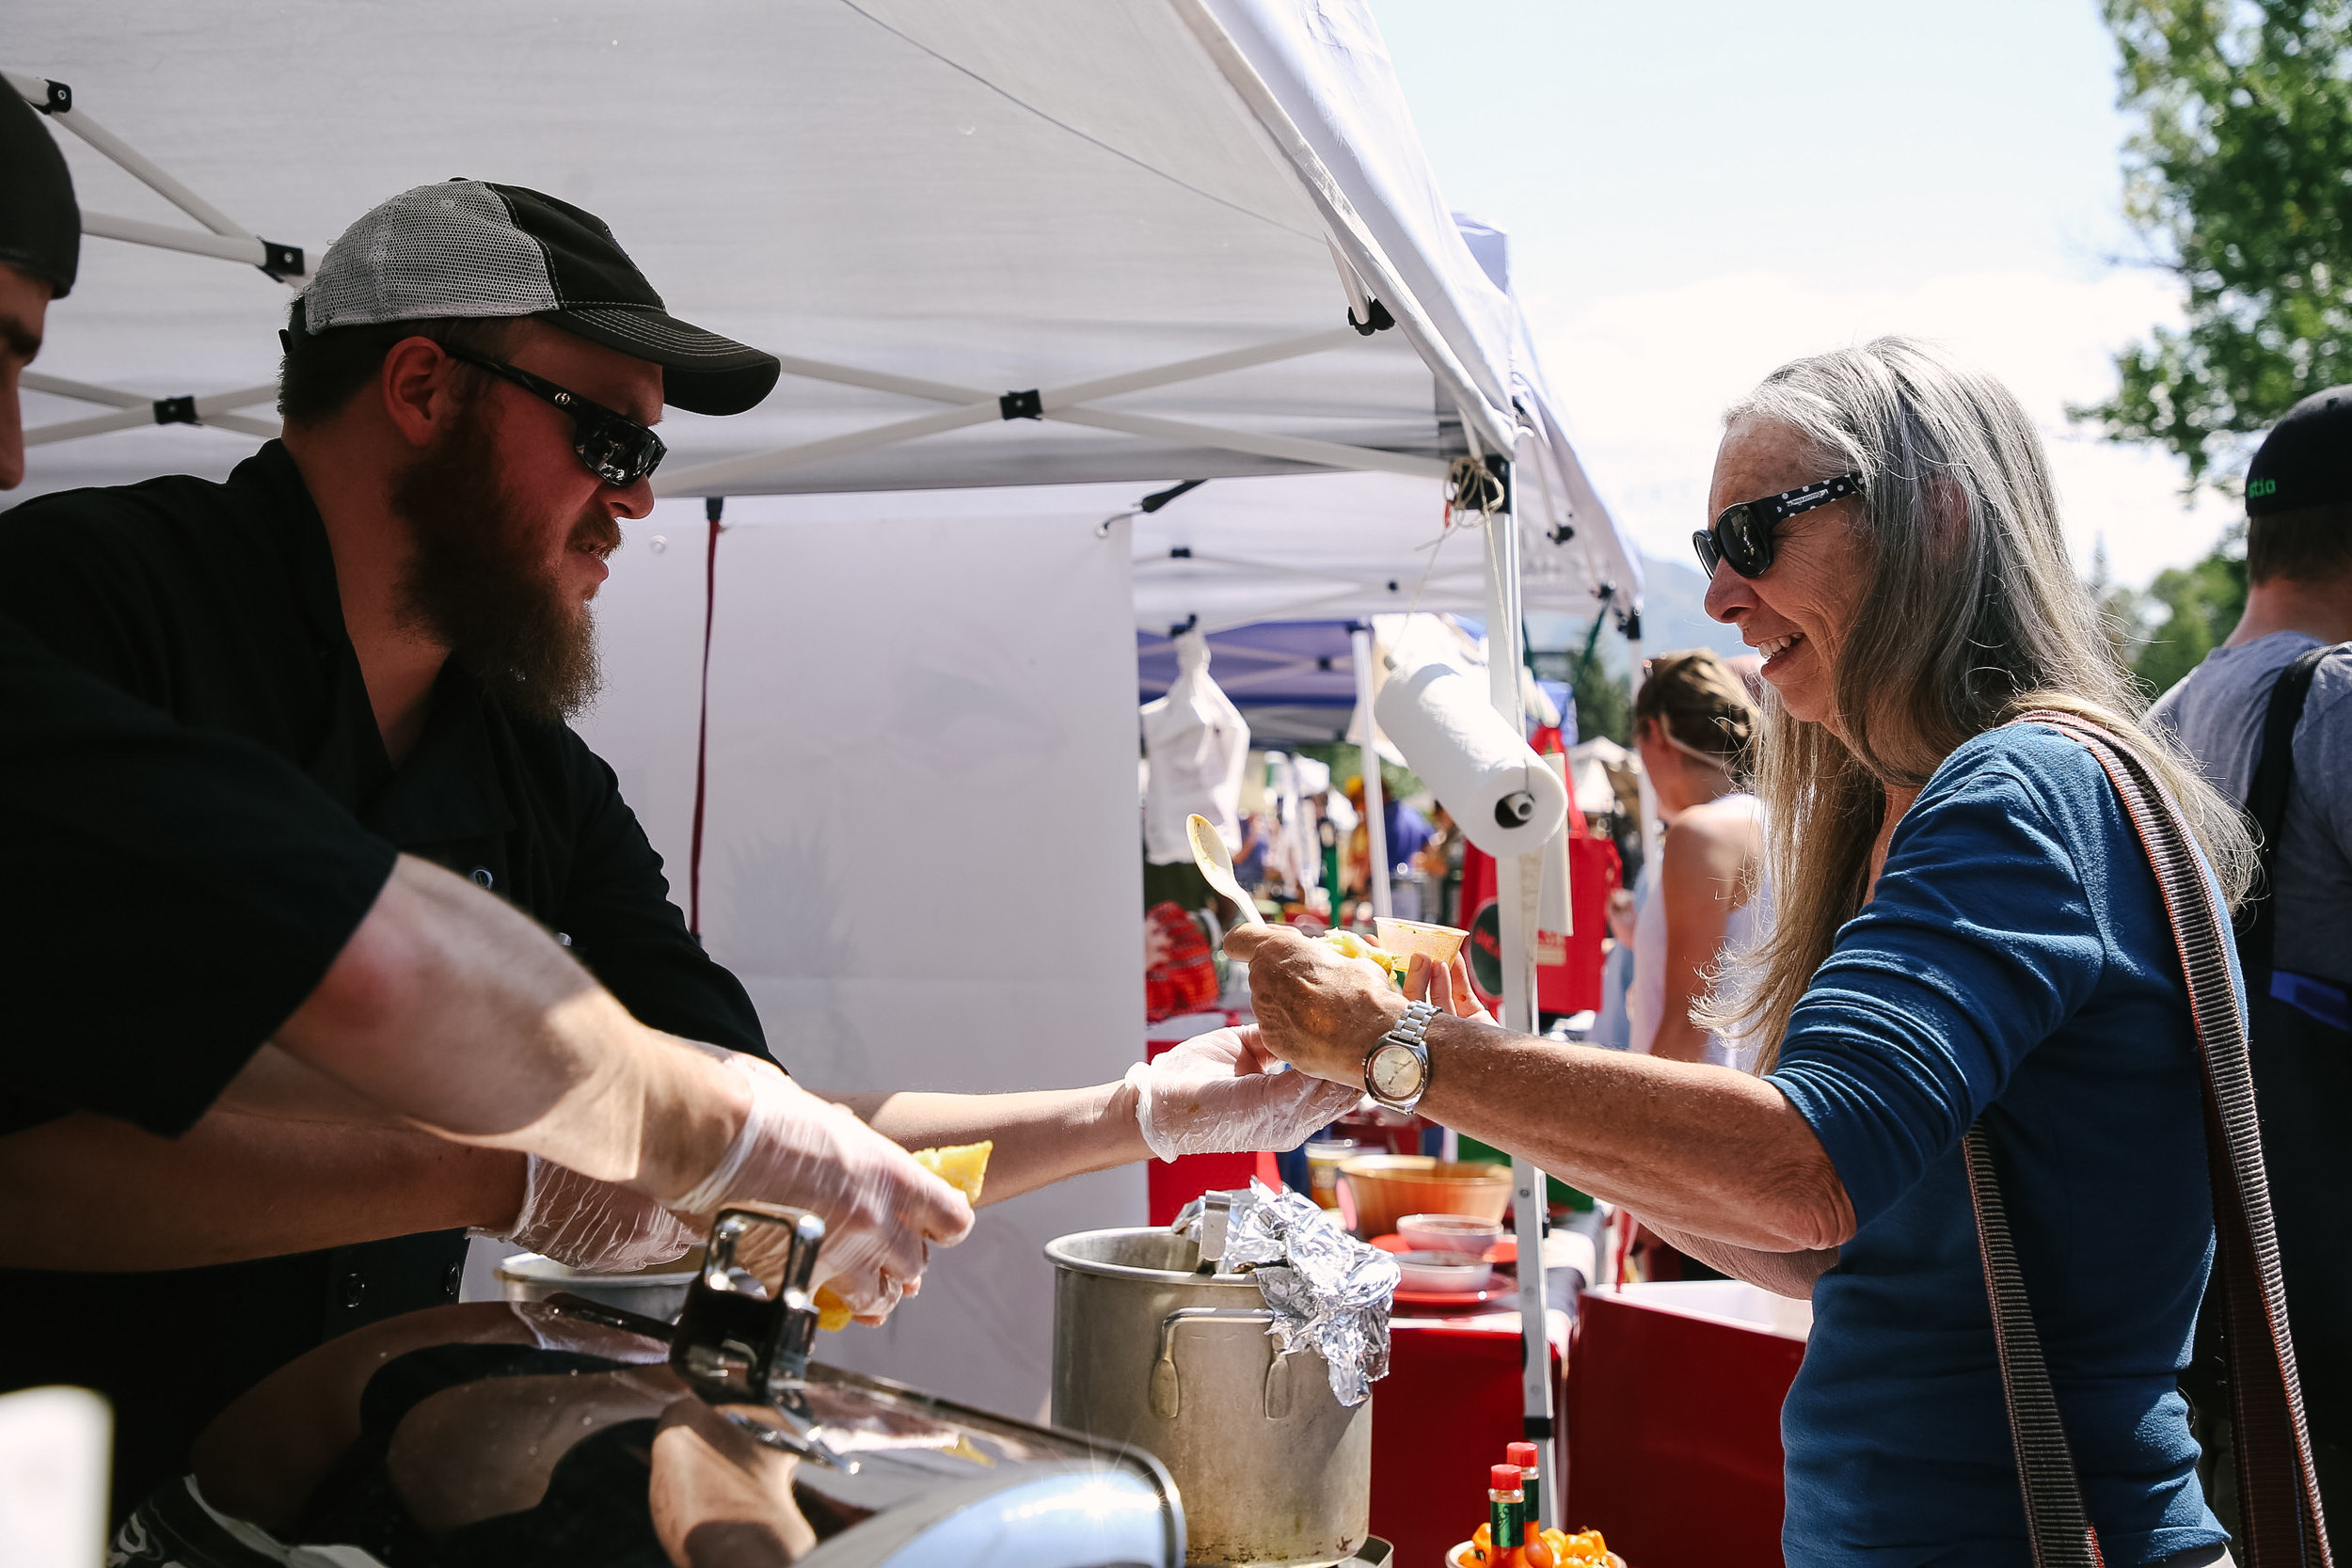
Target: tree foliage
{"x":2240,"y":175}
{"x":2165,"y":630}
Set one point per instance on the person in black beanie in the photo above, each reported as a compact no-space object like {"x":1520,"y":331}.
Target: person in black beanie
{"x":2269,"y":715}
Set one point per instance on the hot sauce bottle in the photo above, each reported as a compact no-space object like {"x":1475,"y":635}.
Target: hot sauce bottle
{"x":1524,"y":1456}
{"x":1506,"y":1518}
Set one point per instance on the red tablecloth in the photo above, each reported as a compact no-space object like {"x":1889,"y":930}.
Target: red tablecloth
{"x":1674,"y":1427}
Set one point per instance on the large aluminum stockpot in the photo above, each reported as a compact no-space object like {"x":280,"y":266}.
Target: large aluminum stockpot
{"x":1272,"y":1469}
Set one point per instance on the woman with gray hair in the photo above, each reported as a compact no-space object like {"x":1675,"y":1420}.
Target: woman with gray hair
{"x":1967,"y":933}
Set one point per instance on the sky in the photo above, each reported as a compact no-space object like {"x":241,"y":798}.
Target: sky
{"x":1700,"y":192}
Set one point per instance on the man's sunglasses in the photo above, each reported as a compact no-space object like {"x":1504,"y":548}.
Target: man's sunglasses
{"x":615,"y":448}
{"x":1744,"y":534}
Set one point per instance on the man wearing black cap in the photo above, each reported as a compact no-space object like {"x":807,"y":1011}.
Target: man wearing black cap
{"x":2269,"y":715}
{"x":395,"y":598}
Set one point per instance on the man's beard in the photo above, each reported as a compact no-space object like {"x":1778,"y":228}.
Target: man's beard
{"x":475,"y":585}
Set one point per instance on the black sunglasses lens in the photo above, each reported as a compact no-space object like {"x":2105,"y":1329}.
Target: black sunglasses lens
{"x":1704,"y":542}
{"x":619,"y":453}
{"x":1745,"y":540}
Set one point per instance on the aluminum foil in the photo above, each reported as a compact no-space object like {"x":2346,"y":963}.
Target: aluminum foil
{"x":1325,"y":1288}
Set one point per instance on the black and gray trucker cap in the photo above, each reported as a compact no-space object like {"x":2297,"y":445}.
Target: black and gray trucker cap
{"x":40,"y":226}
{"x":466,"y":247}
{"x":2305,"y":460}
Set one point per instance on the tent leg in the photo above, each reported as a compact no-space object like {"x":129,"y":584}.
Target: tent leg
{"x":1528,"y":1188}
{"x":1649,"y":824}
{"x":1376,"y":808}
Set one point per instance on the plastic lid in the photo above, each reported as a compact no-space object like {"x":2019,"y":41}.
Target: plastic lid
{"x":1503,"y":1477}
{"x":1521,"y":1455}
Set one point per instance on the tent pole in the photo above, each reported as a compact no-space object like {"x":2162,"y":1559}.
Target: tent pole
{"x":1512,"y":901}
{"x":1376,"y":808}
{"x":1649,"y":794}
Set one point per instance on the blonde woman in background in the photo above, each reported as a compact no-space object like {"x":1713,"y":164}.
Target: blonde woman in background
{"x":1692,"y":724}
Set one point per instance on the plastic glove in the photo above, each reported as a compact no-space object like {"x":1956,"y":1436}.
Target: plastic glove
{"x":881,"y":1209}
{"x":586,"y":1224}
{"x":1221,"y":1093}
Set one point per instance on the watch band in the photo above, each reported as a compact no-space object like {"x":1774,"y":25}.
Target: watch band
{"x":1405,"y":1034}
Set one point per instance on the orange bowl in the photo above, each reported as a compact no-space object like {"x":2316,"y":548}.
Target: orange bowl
{"x":1381,"y":1189}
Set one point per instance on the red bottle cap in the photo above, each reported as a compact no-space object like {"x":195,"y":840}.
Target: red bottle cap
{"x":1521,"y":1455}
{"x":1503,"y":1477}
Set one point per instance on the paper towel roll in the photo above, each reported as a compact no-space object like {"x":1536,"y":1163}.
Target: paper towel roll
{"x":1507,"y":800}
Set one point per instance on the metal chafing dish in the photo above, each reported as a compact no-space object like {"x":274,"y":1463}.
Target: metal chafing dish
{"x":894,"y":1477}
{"x":889,"y":1477}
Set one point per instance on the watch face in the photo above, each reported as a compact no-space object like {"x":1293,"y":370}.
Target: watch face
{"x":1397,"y":1072}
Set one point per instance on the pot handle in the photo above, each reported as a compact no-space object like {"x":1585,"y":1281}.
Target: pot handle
{"x":1164,"y":1397}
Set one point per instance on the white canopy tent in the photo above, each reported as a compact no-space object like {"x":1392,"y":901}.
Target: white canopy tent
{"x":1037,"y":241}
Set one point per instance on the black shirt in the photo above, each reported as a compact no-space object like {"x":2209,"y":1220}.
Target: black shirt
{"x":173,"y":893}
{"x":217,"y":603}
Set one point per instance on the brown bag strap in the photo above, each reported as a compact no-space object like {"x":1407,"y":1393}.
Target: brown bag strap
{"x":2056,"y":1521}
{"x":2278,"y":1488}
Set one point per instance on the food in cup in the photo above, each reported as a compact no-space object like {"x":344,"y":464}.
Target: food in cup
{"x":1404,"y":937}
{"x":1352,"y":944}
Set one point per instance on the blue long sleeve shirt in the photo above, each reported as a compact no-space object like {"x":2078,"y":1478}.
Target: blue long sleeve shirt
{"x":2015,"y":963}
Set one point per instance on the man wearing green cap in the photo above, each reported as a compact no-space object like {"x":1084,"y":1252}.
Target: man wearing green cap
{"x":2269,"y":715}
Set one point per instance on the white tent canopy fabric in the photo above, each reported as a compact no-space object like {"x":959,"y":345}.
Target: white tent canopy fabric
{"x":1021,"y":243}
{"x":1154,"y":214}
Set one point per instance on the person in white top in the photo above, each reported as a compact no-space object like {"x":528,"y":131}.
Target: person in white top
{"x":1692,"y":724}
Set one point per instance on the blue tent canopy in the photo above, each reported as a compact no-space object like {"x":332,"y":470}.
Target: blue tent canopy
{"x":1294,"y":680}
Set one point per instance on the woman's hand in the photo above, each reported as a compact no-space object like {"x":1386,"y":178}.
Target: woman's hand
{"x":1448,"y":985}
{"x":1316,"y":1010}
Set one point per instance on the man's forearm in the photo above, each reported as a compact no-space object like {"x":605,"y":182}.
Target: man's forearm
{"x":90,"y":1192}
{"x":449,"y":1008}
{"x":1041,"y":1136}
{"x":1784,"y":1273}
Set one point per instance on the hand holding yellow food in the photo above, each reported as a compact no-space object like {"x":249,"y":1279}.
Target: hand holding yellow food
{"x":962,"y":1166}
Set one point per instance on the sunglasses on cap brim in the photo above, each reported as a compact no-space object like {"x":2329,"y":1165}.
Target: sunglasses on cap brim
{"x":611,"y":445}
{"x":1742,"y":536}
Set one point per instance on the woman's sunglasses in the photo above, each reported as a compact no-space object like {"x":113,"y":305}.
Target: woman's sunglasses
{"x":1744,"y":534}
{"x":615,"y":448}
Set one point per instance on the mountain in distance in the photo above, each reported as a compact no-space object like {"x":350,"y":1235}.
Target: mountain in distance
{"x":1674,"y":617}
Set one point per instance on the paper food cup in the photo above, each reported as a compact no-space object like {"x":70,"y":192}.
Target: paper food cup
{"x":1406,"y":938}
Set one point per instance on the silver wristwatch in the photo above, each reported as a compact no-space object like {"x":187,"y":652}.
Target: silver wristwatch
{"x":1396,"y":1069}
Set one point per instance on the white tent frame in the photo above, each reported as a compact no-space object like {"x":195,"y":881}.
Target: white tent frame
{"x":1066,"y":404}
{"x":228,"y":240}
{"x":1370,"y":285}
{"x":225,"y":239}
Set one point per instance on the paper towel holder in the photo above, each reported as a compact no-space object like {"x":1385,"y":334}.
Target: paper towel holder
{"x":1515,"y":810}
